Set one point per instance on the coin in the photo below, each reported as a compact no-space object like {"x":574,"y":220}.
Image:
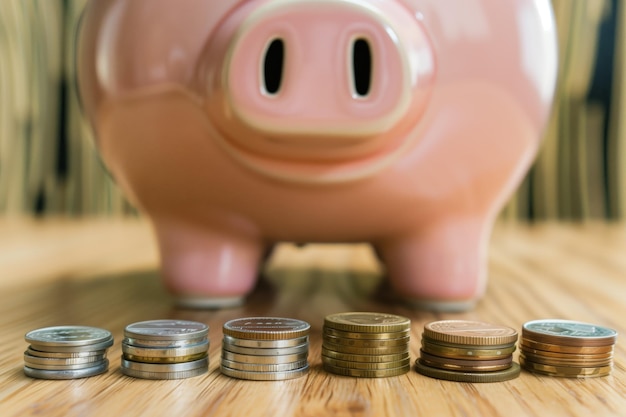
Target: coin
{"x":364,"y":358}
{"x":74,"y":349}
{"x":568,"y":333}
{"x":266,"y":351}
{"x":459,"y":352}
{"x":366,"y":373}
{"x":36,"y":360}
{"x":65,"y":355}
{"x":164,"y":375}
{"x":565,"y":362}
{"x":465,"y":365}
{"x":367,"y":351}
{"x":68,"y":336}
{"x":173,"y":367}
{"x":166,"y":359}
{"x":565,"y":371}
{"x":168,"y":330}
{"x":252,"y":367}
{"x":365,"y":365}
{"x":367,"y":322}
{"x":266,"y":328}
{"x":570,"y":356}
{"x":66,"y":367}
{"x":327,"y":331}
{"x":263,"y":360}
{"x":264,"y":376}
{"x":262,"y":344}
{"x":465,"y":332}
{"x":164,"y":344}
{"x":365,"y":343}
{"x":67,"y":374}
{"x":475,"y":377}
{"x":165,"y":352}
{"x":550,"y":347}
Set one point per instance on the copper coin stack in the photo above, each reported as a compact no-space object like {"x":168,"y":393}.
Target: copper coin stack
{"x":165,"y":349}
{"x":67,"y":352}
{"x":565,"y":348}
{"x":265,"y":348}
{"x":366,"y":345}
{"x":468,"y":351}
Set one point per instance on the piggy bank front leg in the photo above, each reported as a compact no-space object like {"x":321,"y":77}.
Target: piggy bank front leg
{"x":206,"y":268}
{"x":440,"y":267}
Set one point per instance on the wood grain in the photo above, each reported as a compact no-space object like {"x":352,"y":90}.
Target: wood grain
{"x":103,"y":273}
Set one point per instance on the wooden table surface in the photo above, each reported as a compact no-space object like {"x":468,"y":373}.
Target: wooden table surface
{"x":103,"y":273}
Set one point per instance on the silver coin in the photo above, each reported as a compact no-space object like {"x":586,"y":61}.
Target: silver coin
{"x":65,"y":355}
{"x":68,"y":336}
{"x":164,"y":352}
{"x":73,"y":349}
{"x":166,"y":330}
{"x":61,"y":361}
{"x":572,"y":330}
{"x":164,"y":375}
{"x":164,"y":344}
{"x":262,"y":344}
{"x":252,"y":367}
{"x":165,"y":367}
{"x":264,"y":376}
{"x":266,"y":328}
{"x":263,"y":360}
{"x":266,"y":351}
{"x":69,"y":367}
{"x":67,"y":374}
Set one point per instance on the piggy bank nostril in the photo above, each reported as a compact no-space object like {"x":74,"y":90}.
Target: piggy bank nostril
{"x":273,"y":64}
{"x":361,"y":67}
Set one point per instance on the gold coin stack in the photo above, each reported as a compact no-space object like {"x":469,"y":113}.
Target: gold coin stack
{"x":265,"y":348}
{"x":366,"y":345}
{"x":165,"y":349}
{"x":565,"y":348}
{"x":468,"y":351}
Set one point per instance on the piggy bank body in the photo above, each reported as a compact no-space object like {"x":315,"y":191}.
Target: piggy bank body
{"x":236,"y":124}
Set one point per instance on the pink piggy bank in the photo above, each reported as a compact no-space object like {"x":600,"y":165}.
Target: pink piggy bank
{"x":236,"y":124}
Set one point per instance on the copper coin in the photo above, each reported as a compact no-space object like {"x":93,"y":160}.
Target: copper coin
{"x":465,"y":332}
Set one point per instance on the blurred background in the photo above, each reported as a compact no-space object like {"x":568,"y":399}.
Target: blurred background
{"x":49,"y":166}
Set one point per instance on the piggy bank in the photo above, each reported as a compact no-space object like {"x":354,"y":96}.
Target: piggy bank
{"x":237,"y":124}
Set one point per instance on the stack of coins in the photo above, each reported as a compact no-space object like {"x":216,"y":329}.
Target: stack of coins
{"x":566,"y":348}
{"x":67,"y":352}
{"x":366,"y":345}
{"x":468,"y":351}
{"x":265,"y":348}
{"x":165,"y":349}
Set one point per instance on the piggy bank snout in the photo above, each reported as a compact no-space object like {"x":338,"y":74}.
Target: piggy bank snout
{"x":325,"y":68}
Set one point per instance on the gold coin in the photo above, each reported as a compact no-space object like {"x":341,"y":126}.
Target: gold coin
{"x":327,"y":331}
{"x":364,"y":343}
{"x":170,"y":359}
{"x":266,"y":328}
{"x":564,"y":371}
{"x":465,"y":352}
{"x":570,"y":356}
{"x":565,"y":362}
{"x":475,"y":377}
{"x":366,"y":322}
{"x":364,"y":365}
{"x":466,"y":364}
{"x":364,"y":358}
{"x":367,"y":373}
{"x":366,"y":351}
{"x":550,"y":347}
{"x":568,"y":333}
{"x":465,"y":332}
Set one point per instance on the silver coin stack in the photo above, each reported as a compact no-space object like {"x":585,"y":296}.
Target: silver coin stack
{"x":67,"y":352}
{"x":165,"y":349}
{"x":265,"y":348}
